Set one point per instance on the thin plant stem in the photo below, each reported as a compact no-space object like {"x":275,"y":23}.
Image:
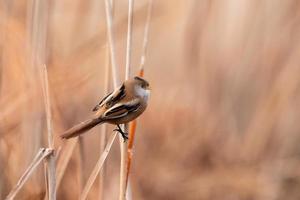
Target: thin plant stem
{"x":50,"y":164}
{"x":123,"y":145}
{"x":39,"y":43}
{"x":146,"y":36}
{"x":109,"y":23}
{"x":133,"y":124}
{"x":48,"y":108}
{"x":132,"y":129}
{"x":80,"y":160}
{"x":102,"y":172}
{"x":98,"y":167}
{"x":128,"y":191}
{"x":129,"y":36}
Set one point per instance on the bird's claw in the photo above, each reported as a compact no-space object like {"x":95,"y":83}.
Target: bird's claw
{"x":124,"y":135}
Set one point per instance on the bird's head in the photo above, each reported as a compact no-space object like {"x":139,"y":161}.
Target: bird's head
{"x":142,"y":83}
{"x":142,"y":87}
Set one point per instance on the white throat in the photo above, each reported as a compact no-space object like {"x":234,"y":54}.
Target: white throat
{"x":141,"y":92}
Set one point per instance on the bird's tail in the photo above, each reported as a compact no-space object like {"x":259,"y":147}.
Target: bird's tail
{"x":81,"y":128}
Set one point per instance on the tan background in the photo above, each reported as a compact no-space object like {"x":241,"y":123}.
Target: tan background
{"x":223,"y":120}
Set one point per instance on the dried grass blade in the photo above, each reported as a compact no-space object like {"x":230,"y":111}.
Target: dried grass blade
{"x":109,"y":24}
{"x":50,"y":164}
{"x":80,"y":160}
{"x":123,"y":145}
{"x":98,"y":167}
{"x":146,"y":36}
{"x":129,"y":36}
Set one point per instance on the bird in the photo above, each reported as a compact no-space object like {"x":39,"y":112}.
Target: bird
{"x":124,"y":104}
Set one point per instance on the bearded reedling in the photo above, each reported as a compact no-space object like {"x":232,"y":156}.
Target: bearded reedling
{"x":121,"y":106}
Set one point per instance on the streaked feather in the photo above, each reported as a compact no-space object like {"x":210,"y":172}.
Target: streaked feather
{"x":112,"y":98}
{"x":121,"y":110}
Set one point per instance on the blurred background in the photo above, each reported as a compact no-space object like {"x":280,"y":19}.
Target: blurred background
{"x":223,"y":120}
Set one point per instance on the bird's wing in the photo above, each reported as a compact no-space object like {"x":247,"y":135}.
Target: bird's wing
{"x":112,"y":98}
{"x":121,"y":109}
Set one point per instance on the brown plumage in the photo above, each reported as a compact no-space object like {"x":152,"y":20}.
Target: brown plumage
{"x":121,"y":106}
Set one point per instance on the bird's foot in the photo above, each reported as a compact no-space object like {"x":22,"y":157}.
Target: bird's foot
{"x":124,"y":135}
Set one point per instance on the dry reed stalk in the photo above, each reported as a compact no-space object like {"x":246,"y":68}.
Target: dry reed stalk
{"x":48,"y":108}
{"x":50,"y":165}
{"x":129,"y":36}
{"x":104,"y":126}
{"x":38,"y":37}
{"x":98,"y":167}
{"x":42,"y":153}
{"x":128,"y":191}
{"x":102,"y":146}
{"x":123,"y":169}
{"x":46,"y":180}
{"x":123,"y":145}
{"x":101,"y":175}
{"x":133,"y":124}
{"x":80,"y":161}
{"x":132,"y":128}
{"x":109,"y":24}
{"x":146,"y":36}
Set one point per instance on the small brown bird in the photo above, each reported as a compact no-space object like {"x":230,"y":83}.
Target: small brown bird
{"x":121,"y":106}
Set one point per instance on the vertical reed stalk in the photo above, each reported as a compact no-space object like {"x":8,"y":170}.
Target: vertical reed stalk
{"x":108,"y":11}
{"x":133,"y":124}
{"x":109,"y":23}
{"x":42,"y":29}
{"x":129,"y":36}
{"x":123,"y":145}
{"x":104,"y":127}
{"x":80,"y":161}
{"x":50,"y":166}
{"x":146,"y":36}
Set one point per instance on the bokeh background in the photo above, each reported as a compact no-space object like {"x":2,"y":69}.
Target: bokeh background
{"x":223,"y":120}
